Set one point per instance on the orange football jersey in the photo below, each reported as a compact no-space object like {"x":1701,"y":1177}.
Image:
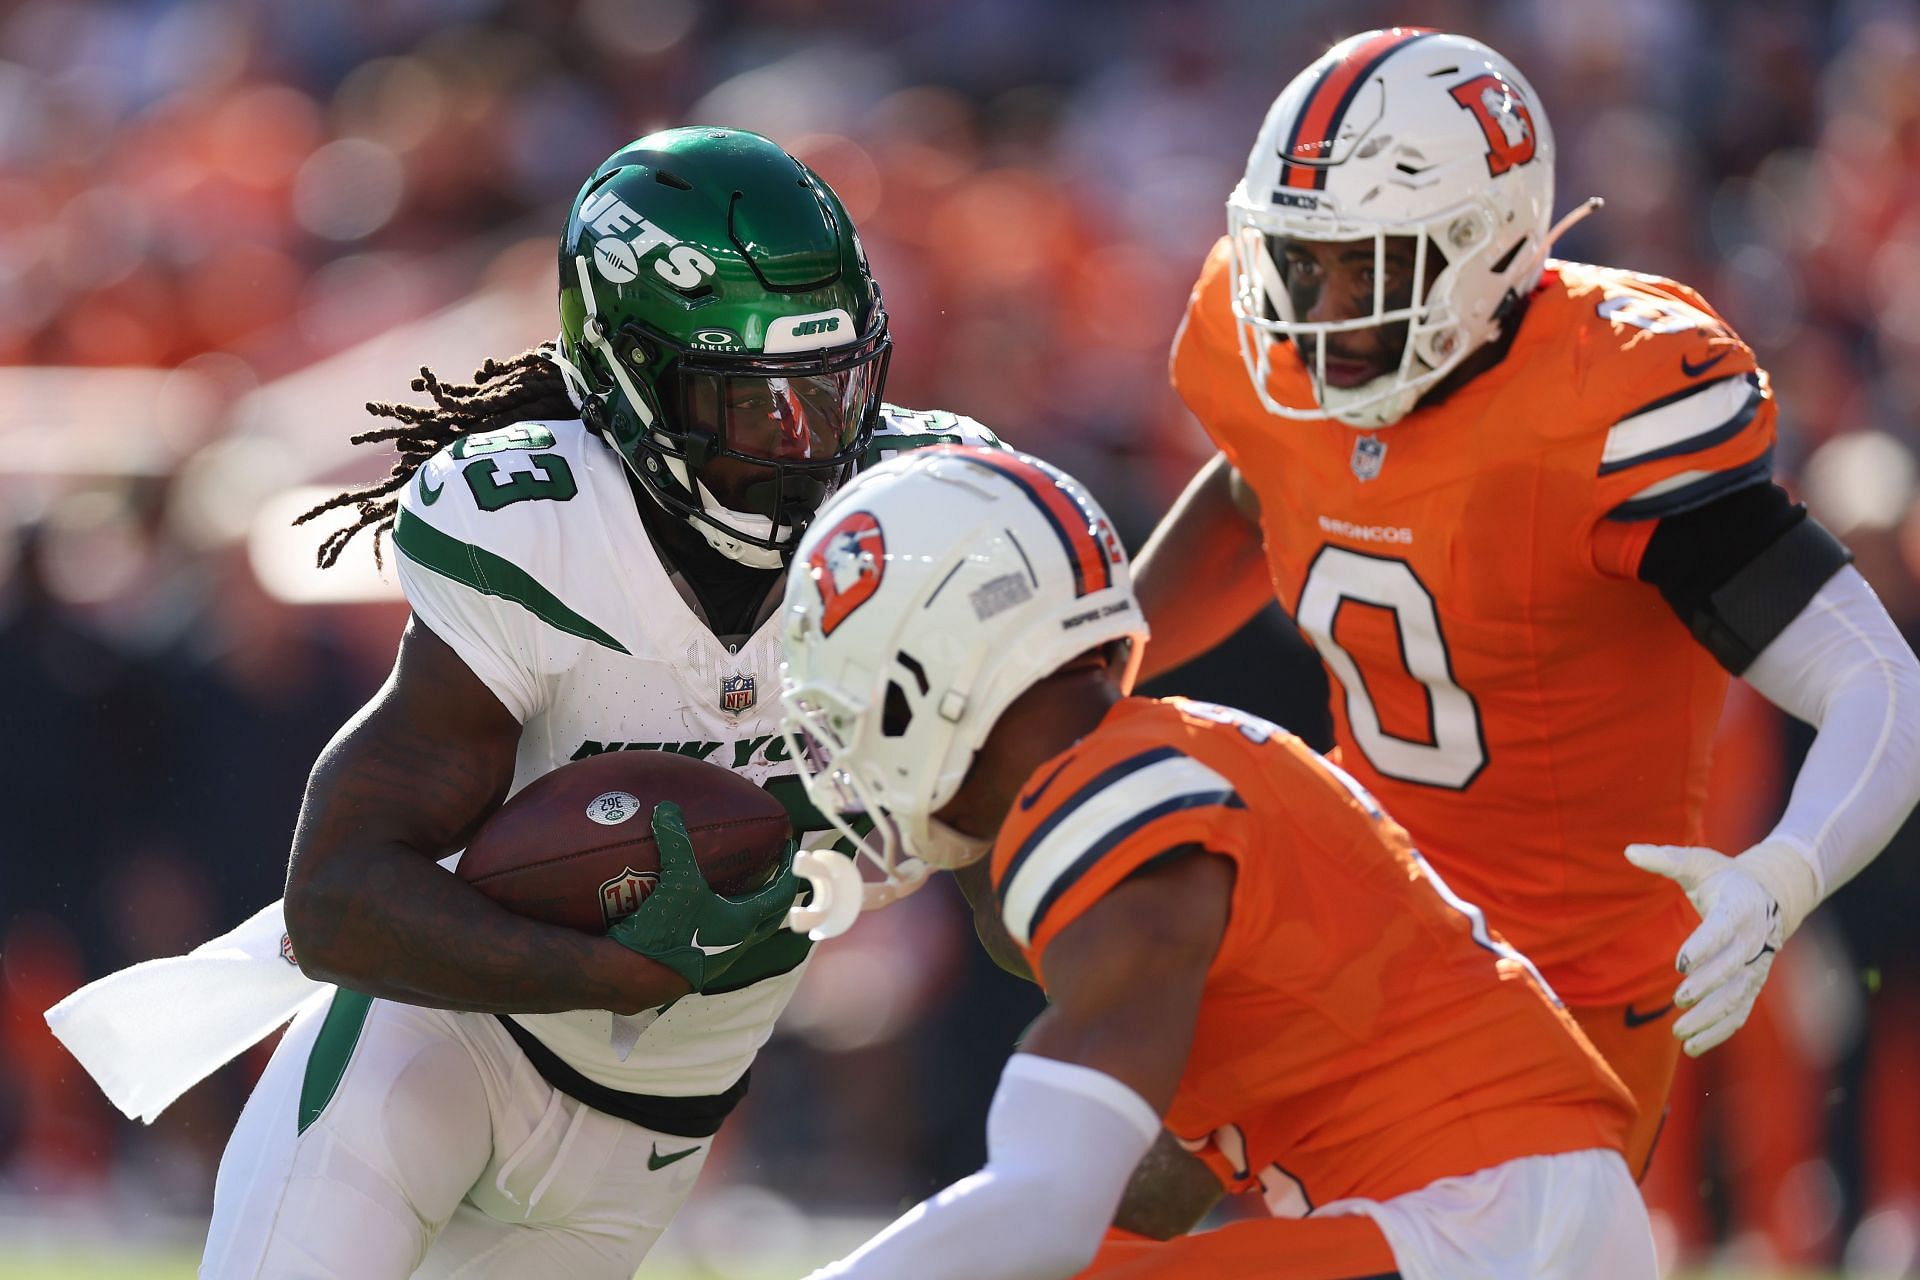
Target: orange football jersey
{"x":1361,"y":1032}
{"x":1502,"y":681}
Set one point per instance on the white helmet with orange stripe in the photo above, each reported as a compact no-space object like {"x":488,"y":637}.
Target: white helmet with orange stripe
{"x":1404,"y":132}
{"x":927,"y":596}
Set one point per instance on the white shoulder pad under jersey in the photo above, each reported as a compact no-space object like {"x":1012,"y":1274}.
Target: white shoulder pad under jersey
{"x":502,"y":541}
{"x":904,"y":429}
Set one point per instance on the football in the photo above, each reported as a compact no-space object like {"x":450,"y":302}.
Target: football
{"x":575,"y":847}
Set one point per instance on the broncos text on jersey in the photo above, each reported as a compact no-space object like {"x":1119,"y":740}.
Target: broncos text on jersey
{"x":1502,"y":681}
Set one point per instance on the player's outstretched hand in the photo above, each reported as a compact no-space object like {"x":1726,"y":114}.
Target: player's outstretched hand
{"x":685,"y":925}
{"x":1727,"y":959}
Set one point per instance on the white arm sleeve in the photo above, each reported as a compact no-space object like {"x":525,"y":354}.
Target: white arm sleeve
{"x":1842,"y":667}
{"x":1062,"y":1141}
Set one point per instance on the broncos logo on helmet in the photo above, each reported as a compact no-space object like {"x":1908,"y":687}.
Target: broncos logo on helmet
{"x":847,"y":566}
{"x":1503,"y":117}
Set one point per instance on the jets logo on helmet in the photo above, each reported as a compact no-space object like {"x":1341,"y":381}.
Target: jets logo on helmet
{"x":847,"y":566}
{"x":615,"y":260}
{"x":803,"y":333}
{"x":684,"y":267}
{"x":741,"y":419}
{"x":1504,"y":117}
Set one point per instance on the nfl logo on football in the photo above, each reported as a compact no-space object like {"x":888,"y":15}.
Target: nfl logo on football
{"x":736,"y":694}
{"x":620,"y":896}
{"x":1369,"y":452}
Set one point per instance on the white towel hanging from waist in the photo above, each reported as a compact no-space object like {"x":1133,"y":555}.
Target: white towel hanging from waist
{"x":153,"y":1030}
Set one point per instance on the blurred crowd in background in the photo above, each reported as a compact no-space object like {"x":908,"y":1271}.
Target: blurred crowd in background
{"x":225,"y":224}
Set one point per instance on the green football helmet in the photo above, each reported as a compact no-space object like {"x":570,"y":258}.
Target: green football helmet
{"x":720,"y":328}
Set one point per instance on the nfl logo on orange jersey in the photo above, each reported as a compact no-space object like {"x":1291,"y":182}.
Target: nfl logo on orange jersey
{"x":1369,"y":452}
{"x":620,"y":896}
{"x":736,"y":694}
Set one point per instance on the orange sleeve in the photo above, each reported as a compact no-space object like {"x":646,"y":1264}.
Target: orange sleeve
{"x":1205,"y":340}
{"x":1218,"y":831}
{"x":1115,"y":808}
{"x":1618,"y":546}
{"x":1689,"y":417}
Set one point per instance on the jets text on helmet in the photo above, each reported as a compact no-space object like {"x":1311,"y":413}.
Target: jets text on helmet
{"x":618,"y":259}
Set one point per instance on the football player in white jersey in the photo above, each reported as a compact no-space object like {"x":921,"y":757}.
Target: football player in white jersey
{"x":592,"y":537}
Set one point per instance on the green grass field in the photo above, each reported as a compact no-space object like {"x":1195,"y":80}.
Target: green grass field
{"x":99,"y":1266}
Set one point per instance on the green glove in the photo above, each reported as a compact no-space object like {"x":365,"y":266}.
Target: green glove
{"x":686,"y":926}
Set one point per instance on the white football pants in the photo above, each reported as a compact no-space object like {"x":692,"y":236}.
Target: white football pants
{"x":389,"y":1140}
{"x":1573,"y":1216}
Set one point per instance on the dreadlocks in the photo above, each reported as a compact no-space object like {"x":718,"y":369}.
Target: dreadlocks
{"x":526,"y":387}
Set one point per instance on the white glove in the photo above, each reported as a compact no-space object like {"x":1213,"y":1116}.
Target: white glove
{"x":1748,"y":906}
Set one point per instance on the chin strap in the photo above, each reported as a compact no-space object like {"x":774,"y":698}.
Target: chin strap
{"x":729,"y":538}
{"x":947,"y":848}
{"x":908,"y":875}
{"x":841,"y":893}
{"x":835,"y":902}
{"x":570,"y":377}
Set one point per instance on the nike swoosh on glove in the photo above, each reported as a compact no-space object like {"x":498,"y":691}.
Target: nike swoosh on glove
{"x":1742,"y":927}
{"x":686,"y":926}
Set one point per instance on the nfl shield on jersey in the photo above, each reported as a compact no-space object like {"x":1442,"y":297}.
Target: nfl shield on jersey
{"x":737,"y":694}
{"x":532,"y":562}
{"x":390,"y":1139}
{"x":1501,"y":678}
{"x":1369,"y":455}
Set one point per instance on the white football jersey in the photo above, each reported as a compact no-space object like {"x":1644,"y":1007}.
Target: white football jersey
{"x":523,"y":549}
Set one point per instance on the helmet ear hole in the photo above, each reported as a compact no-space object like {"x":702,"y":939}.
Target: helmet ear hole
{"x":895,"y":714}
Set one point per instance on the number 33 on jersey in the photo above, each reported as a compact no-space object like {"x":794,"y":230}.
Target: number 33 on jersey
{"x":1504,"y":682}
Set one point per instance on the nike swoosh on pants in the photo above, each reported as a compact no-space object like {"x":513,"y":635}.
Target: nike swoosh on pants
{"x":1634,"y":1018}
{"x":657,"y":1161}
